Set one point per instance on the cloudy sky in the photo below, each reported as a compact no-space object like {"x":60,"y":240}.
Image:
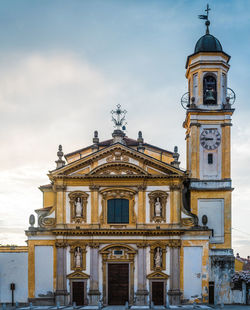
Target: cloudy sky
{"x":65,"y":64}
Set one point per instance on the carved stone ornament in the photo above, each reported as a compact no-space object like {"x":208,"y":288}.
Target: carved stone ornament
{"x":158,"y":201}
{"x":78,"y":206}
{"x":117,"y":155}
{"x":78,"y":257}
{"x":118,"y":194}
{"x":158,"y":256}
{"x":46,"y":217}
{"x":119,"y":169}
{"x":118,"y":253}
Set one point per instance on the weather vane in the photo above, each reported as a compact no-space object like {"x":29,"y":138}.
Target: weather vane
{"x":207,"y":23}
{"x":118,"y":117}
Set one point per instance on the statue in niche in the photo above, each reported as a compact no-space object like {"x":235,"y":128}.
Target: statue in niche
{"x":78,"y":257}
{"x":78,"y":207}
{"x":158,"y":257}
{"x":158,"y":207}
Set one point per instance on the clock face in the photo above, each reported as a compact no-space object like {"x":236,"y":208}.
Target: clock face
{"x":210,"y":139}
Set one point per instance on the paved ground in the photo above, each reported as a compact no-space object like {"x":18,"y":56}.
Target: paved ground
{"x":204,"y":307}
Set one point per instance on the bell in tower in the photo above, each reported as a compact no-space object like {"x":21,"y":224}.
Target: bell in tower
{"x":209,"y":90}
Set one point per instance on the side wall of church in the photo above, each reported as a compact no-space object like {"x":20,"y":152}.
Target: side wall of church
{"x":14,"y":269}
{"x":43,"y":270}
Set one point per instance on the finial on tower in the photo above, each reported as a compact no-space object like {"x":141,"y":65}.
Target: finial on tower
{"x":59,"y":163}
{"x":118,"y":117}
{"x":95,"y":146}
{"x":176,"y":156}
{"x":207,"y":23}
{"x":140,"y":141}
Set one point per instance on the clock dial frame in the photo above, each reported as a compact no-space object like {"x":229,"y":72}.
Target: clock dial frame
{"x":210,"y":139}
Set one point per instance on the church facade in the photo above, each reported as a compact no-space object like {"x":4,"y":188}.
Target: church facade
{"x":121,"y":222}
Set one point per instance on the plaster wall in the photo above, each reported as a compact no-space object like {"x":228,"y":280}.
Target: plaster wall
{"x":210,"y":207}
{"x":192,"y":272}
{"x":13,"y":269}
{"x":43,"y":270}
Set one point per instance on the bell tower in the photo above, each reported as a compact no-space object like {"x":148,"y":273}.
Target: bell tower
{"x":208,"y":105}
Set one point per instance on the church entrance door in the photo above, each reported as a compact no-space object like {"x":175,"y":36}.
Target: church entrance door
{"x":78,"y":293}
{"x":158,"y":293}
{"x":118,"y":284}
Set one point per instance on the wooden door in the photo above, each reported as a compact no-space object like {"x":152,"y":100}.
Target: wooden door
{"x":78,"y":293}
{"x":118,"y":284}
{"x":158,"y":293}
{"x":211,"y":293}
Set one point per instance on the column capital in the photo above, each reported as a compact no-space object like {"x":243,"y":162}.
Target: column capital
{"x":94,"y":187}
{"x":195,"y":124}
{"x":61,"y":244}
{"x":174,"y":243}
{"x":94,"y":245}
{"x":175,"y":187}
{"x":142,"y":245}
{"x":226,"y":124}
{"x":141,"y":187}
{"x":60,"y":188}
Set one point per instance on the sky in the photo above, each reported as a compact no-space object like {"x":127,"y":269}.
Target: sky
{"x":64,"y":65}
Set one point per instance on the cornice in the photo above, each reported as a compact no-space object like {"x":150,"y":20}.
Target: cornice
{"x":111,"y":232}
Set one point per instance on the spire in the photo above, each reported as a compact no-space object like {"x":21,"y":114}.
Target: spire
{"x":59,"y":163}
{"x":207,"y":23}
{"x":118,"y":117}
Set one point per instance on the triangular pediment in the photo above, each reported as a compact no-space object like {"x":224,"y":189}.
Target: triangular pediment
{"x":77,"y":275}
{"x":117,"y":160}
{"x":157,"y":275}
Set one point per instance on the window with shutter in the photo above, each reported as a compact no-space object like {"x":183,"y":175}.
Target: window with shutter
{"x":118,"y":211}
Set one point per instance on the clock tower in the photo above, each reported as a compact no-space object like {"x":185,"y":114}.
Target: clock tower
{"x":208,"y":105}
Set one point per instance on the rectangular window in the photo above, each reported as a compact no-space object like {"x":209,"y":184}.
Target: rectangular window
{"x":118,"y":211}
{"x":210,"y":159}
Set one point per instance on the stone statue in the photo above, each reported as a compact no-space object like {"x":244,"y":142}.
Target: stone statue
{"x":158,"y":258}
{"x":78,"y":206}
{"x":158,"y":207}
{"x":78,"y":257}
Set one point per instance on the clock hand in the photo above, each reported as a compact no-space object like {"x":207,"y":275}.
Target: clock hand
{"x":209,"y":139}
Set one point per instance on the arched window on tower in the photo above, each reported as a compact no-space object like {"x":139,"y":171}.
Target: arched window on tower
{"x":209,"y":90}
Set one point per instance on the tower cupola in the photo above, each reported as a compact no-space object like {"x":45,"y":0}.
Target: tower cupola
{"x":206,"y":71}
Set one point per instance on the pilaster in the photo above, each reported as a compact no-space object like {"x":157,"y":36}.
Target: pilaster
{"x":175,"y":200}
{"x":94,"y":293}
{"x":60,"y":188}
{"x":61,"y":282}
{"x":142,"y":292}
{"x":174,"y":292}
{"x":141,"y":204}
{"x":94,"y":204}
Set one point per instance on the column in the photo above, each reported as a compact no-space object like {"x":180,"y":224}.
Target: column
{"x":174,"y":291}
{"x":94,"y":293}
{"x":61,"y":281}
{"x":142,"y":292}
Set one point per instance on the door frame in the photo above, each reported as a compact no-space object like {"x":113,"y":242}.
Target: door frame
{"x":107,"y":292}
{"x":108,"y":256}
{"x":84,"y":290}
{"x":158,"y":276}
{"x":164,"y":290}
